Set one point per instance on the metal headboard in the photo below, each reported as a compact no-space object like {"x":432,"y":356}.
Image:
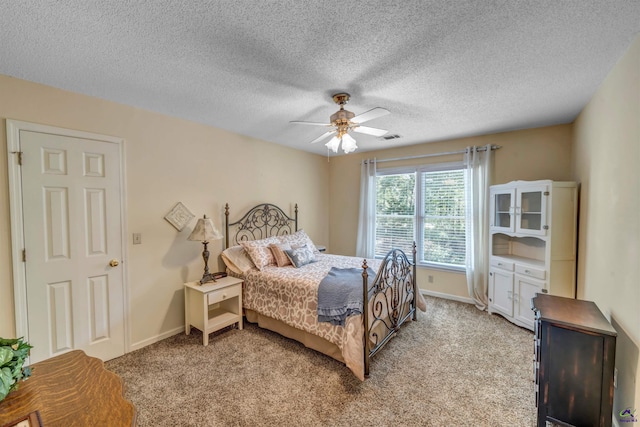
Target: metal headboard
{"x":261,"y":221}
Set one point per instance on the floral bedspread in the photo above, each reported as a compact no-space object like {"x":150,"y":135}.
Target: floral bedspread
{"x":290,"y":295}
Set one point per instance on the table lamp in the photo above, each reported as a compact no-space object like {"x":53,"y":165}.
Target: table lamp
{"x":203,"y":232}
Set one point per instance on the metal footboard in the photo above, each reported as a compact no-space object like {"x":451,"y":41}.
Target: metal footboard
{"x":389,"y":301}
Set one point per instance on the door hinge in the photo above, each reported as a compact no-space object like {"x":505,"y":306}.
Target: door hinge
{"x":19,"y":153}
{"x":24,"y":255}
{"x":546,"y":193}
{"x":546,"y":227}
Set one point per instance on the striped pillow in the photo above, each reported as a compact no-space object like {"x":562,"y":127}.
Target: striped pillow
{"x":278,"y":253}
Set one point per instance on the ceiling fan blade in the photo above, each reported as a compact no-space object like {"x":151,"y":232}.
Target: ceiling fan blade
{"x":370,"y":131}
{"x":323,"y":136}
{"x":370,"y":115}
{"x":311,"y":123}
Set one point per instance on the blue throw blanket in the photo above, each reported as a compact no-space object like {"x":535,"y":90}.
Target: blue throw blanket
{"x":340,"y":294}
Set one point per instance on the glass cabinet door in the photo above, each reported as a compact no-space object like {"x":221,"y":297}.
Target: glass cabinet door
{"x":531,"y":210}
{"x":502,"y":210}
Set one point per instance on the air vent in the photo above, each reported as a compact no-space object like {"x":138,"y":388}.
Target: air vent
{"x":390,"y":136}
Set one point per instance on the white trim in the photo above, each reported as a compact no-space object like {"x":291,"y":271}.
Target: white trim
{"x":615,"y":421}
{"x":17,"y":230}
{"x":140,"y":344}
{"x":126,"y":291}
{"x":17,"y":219}
{"x":442,"y":295}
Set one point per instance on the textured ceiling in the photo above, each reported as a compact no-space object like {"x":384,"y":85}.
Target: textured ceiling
{"x":444,"y":69}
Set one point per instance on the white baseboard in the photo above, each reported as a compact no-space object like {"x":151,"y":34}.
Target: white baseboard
{"x":140,"y":344}
{"x":446,"y":296}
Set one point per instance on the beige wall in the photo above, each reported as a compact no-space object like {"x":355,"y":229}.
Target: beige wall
{"x":607,"y":164}
{"x":170,"y":160}
{"x":167,"y":160}
{"x":542,"y":153}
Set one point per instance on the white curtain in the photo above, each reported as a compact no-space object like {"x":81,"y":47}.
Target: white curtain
{"x":478,"y":173}
{"x":366,"y":244}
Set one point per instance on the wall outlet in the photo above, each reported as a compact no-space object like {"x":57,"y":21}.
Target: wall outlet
{"x":137,"y":238}
{"x":615,"y":377}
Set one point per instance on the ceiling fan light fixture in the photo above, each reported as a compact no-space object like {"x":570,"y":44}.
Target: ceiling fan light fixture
{"x":348,"y":144}
{"x":344,"y":121}
{"x":333,"y":144}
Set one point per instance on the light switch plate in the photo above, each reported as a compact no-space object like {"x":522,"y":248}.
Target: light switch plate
{"x":137,"y":238}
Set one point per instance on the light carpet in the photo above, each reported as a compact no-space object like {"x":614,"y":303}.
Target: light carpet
{"x":455,"y":366}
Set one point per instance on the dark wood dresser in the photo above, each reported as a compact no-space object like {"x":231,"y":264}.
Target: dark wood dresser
{"x":574,"y":360}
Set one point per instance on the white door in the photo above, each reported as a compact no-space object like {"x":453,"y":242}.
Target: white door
{"x":71,"y":203}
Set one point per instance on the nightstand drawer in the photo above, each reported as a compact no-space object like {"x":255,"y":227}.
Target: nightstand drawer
{"x":223,"y":294}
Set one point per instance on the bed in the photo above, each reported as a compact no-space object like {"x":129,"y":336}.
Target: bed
{"x":281,"y":293}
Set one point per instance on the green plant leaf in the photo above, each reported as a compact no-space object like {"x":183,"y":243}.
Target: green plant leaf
{"x":13,"y":353}
{"x":17,"y":369}
{"x":6,"y":354}
{"x":21,"y":352}
{"x":9,"y":341}
{"x":6,"y":381}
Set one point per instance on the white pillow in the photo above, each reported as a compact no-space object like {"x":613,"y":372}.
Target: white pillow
{"x":298,"y":240}
{"x":259,"y":252}
{"x":237,"y":260}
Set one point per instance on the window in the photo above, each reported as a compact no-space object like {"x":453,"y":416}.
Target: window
{"x":425,"y":204}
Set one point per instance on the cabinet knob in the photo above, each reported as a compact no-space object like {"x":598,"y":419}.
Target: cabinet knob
{"x":224,"y":296}
{"x":528,"y":271}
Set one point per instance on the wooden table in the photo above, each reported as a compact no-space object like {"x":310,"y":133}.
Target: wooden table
{"x":72,"y":389}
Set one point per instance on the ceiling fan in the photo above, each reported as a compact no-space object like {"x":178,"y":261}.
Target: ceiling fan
{"x":344,"y":121}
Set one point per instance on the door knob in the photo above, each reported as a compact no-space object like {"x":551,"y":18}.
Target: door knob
{"x":114,"y":263}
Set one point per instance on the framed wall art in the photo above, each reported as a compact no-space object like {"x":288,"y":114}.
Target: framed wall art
{"x":179,"y":216}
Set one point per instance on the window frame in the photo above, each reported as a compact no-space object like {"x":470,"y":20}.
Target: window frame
{"x":419,"y":216}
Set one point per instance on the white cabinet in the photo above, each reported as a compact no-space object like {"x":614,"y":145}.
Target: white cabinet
{"x":520,"y":208}
{"x":511,"y":293}
{"x":501,"y":286}
{"x":532,"y":245}
{"x":525,"y":289}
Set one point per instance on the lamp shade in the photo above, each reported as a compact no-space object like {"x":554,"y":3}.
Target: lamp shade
{"x":205,"y":231}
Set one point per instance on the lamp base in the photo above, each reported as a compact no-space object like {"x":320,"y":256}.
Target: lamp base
{"x":207,"y":277}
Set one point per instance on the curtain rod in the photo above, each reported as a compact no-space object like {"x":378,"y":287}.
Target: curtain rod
{"x":493,"y":147}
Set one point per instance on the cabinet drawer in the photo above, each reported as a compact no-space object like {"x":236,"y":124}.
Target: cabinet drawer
{"x":499,"y":263}
{"x":223,"y":294}
{"x":531,"y":272}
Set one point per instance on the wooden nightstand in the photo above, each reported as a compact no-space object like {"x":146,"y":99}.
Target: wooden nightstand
{"x":212,"y":306}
